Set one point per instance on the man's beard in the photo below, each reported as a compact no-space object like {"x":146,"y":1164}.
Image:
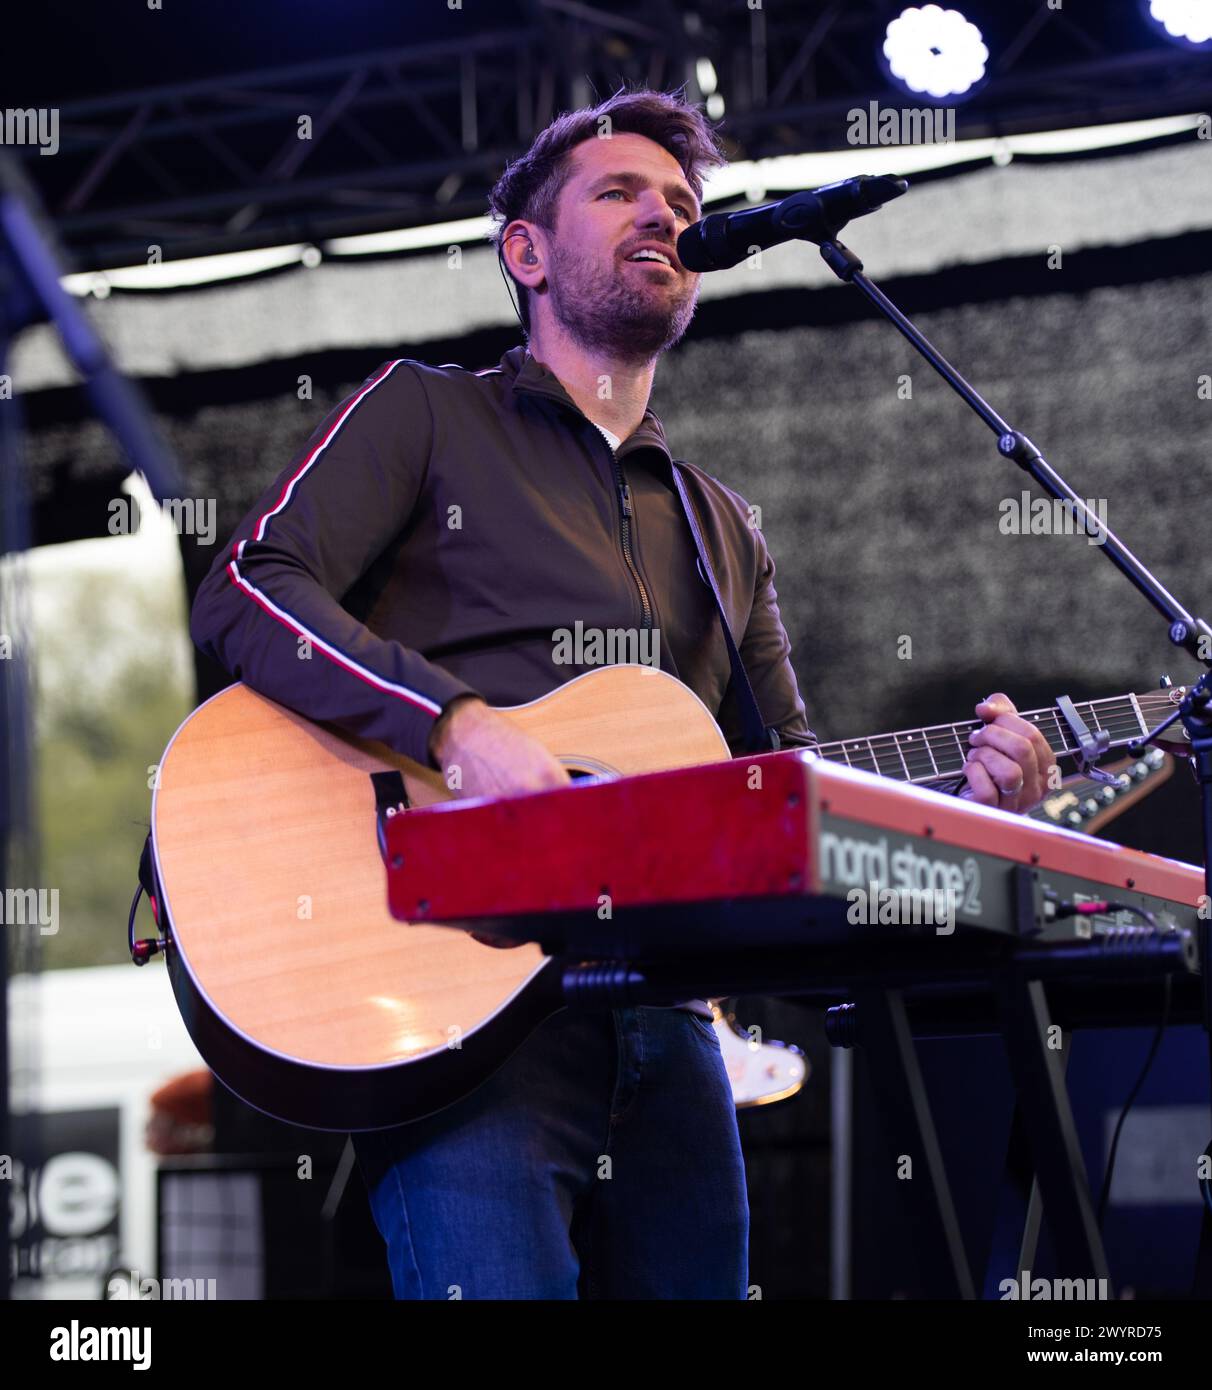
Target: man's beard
{"x":602,"y":311}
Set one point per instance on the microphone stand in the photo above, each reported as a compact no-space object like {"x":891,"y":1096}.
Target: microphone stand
{"x":1190,"y":633}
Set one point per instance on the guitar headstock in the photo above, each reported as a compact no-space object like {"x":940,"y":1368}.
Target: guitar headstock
{"x":1156,"y":706}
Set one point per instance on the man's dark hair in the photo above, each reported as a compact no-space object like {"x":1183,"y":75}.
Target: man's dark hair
{"x":531,"y":184}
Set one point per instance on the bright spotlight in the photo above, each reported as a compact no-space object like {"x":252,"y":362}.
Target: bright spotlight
{"x":1188,"y":22}
{"x":936,"y":51}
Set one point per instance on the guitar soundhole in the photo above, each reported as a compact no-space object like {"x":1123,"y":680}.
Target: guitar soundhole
{"x":589,"y":770}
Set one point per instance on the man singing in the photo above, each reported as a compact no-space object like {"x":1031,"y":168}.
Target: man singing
{"x":436,"y":532}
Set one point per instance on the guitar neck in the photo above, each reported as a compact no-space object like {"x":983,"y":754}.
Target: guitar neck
{"x":939,"y":751}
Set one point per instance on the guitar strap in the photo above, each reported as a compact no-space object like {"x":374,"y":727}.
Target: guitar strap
{"x":759,"y":736}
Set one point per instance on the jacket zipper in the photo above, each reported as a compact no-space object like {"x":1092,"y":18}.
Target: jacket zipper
{"x":624,"y":492}
{"x":625,"y":505}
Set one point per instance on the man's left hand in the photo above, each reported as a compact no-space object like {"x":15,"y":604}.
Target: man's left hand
{"x":1010,"y":760}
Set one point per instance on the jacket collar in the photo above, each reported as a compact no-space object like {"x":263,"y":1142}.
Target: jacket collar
{"x":531,"y":378}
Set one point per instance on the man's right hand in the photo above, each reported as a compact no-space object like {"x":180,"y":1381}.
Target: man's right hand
{"x":493,"y":756}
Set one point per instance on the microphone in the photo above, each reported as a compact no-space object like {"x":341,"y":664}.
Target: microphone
{"x":723,"y":239}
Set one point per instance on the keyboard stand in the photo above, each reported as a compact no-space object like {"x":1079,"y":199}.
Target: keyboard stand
{"x":896,"y":1075}
{"x":1019,"y":1213}
{"x":1047,"y":1125}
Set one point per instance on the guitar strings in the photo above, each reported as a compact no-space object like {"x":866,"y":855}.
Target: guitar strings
{"x":890,"y":753}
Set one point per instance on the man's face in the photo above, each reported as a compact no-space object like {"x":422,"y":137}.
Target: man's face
{"x":625,"y":197}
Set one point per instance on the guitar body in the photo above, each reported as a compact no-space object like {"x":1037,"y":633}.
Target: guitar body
{"x":300,"y":990}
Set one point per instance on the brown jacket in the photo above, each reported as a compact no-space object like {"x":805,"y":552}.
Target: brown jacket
{"x":442,"y":529}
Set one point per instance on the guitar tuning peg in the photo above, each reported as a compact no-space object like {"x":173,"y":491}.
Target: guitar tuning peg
{"x":1165,"y":682}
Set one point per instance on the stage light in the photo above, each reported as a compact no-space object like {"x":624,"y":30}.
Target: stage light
{"x":705,"y":75}
{"x":1188,"y":22}
{"x":935,"y":51}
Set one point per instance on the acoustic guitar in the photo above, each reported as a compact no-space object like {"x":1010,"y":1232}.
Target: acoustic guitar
{"x":300,"y":990}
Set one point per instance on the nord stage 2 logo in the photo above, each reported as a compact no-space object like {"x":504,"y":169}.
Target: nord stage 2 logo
{"x":948,"y":883}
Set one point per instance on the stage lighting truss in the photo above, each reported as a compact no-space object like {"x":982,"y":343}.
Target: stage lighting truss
{"x":418,"y":133}
{"x":935,"y":52}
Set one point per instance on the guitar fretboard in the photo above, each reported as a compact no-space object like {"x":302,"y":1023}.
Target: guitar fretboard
{"x":925,"y":755}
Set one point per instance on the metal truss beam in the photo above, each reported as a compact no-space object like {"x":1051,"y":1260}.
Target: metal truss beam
{"x":422,"y":131}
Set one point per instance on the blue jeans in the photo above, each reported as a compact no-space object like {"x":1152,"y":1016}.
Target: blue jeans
{"x":602,"y":1160}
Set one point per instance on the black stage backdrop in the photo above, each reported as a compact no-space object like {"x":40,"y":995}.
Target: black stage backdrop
{"x":880,"y":497}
